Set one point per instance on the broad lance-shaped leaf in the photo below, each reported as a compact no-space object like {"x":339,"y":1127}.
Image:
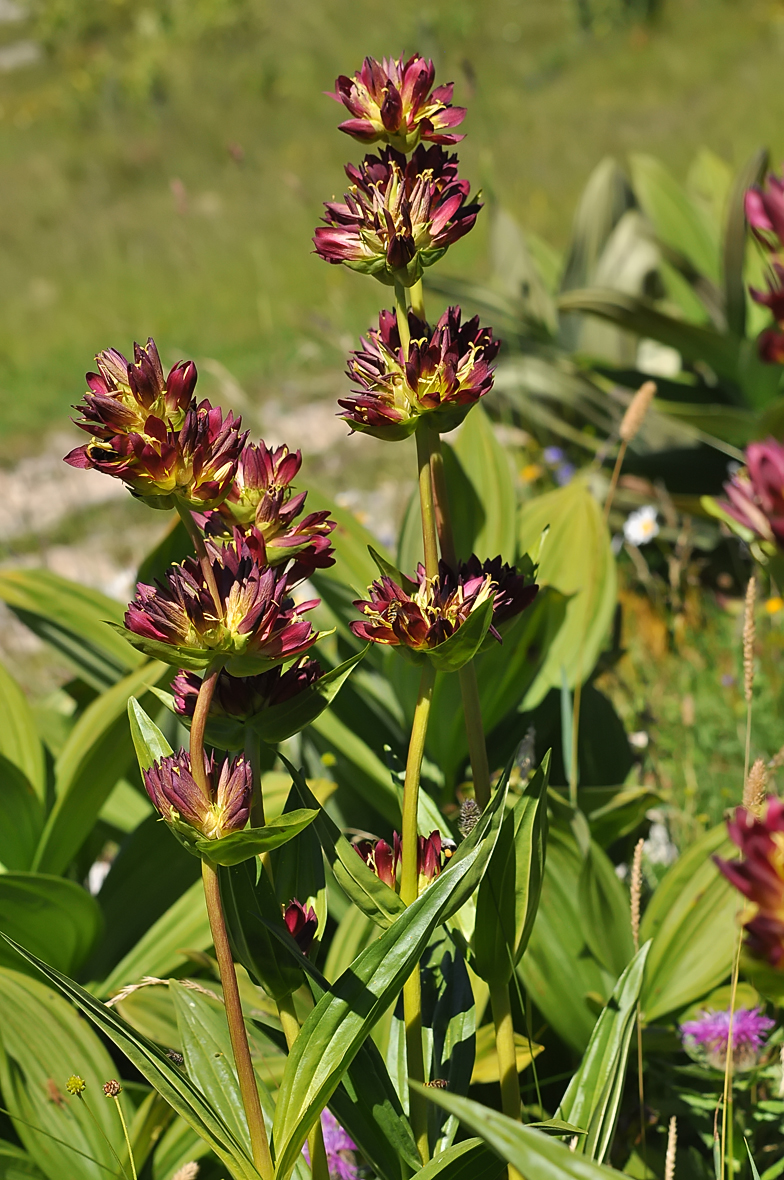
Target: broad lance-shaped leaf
{"x":604,"y":910}
{"x":509,"y":895}
{"x":148,"y":741}
{"x":19,"y":741}
{"x":536,"y":1155}
{"x":251,"y":908}
{"x":153,"y":1064}
{"x":342,"y":1020}
{"x":58,"y":918}
{"x":593,"y":1097}
{"x":470,"y":1160}
{"x":371,"y":895}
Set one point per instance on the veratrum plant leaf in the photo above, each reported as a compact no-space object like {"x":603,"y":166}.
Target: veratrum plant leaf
{"x":19,"y":741}
{"x":95,"y":756}
{"x":340,"y":1022}
{"x":533,"y":1153}
{"x":486,"y":464}
{"x":44,"y":1041}
{"x":250,"y":903}
{"x":692,"y":921}
{"x":576,"y":559}
{"x":470,"y":1160}
{"x":604,"y":910}
{"x":360,"y":884}
{"x":73,"y":619}
{"x":171,"y":1083}
{"x":508,"y":896}
{"x":21,"y":816}
{"x":677,"y":220}
{"x":16,"y":1164}
{"x":58,"y":919}
{"x":593,"y":1097}
{"x":298,"y":866}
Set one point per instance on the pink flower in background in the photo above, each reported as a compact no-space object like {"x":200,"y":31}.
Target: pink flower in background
{"x":706,"y":1037}
{"x":340,"y":1148}
{"x":759,"y":876}
{"x":755,"y":494}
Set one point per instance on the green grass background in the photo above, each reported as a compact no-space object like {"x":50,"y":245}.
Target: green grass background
{"x":123,"y":211}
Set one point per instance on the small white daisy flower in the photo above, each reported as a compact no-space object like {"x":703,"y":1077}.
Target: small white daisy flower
{"x":640,"y":527}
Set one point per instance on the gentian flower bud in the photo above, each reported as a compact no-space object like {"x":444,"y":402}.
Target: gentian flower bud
{"x":382,"y":858}
{"x":759,"y":876}
{"x":247,"y":696}
{"x":433,"y":854}
{"x":391,"y":102}
{"x":181,"y":802}
{"x":123,"y":394}
{"x":399,"y":215}
{"x":445,"y":371}
{"x":706,"y":1038}
{"x":433,"y":612}
{"x":254,"y":626}
{"x":194,"y":465}
{"x":261,"y":497}
{"x":302,"y":924}
{"x":755,"y":494}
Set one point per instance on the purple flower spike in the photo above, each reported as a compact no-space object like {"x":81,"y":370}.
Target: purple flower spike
{"x":391,"y":102}
{"x":254,"y":626}
{"x":706,"y":1038}
{"x":446,"y":370}
{"x":399,"y":216}
{"x":176,"y":795}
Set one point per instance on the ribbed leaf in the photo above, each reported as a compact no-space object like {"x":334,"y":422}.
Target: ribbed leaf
{"x":19,"y":741}
{"x":469,"y":1160}
{"x":593,"y":1097}
{"x":172,"y":1083}
{"x":675,"y":218}
{"x":56,"y":919}
{"x":605,"y":913}
{"x":342,"y":1020}
{"x":239,"y":846}
{"x":21,"y":817}
{"x":735,"y":239}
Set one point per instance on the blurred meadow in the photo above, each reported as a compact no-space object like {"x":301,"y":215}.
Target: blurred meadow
{"x":164,"y":166}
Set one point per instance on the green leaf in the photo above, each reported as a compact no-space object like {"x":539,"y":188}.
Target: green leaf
{"x":21,"y":817}
{"x":576,"y":559}
{"x":298,"y":867}
{"x":340,"y":1022}
{"x":735,"y":240}
{"x":486,"y":464}
{"x":252,"y":910}
{"x":240,"y":846}
{"x":170,"y":1082}
{"x":675,"y":218}
{"x":358,"y":765}
{"x":148,"y":875}
{"x":43,"y":1042}
{"x":179,"y":1145}
{"x":469,"y":1160}
{"x":360,"y":884}
{"x":351,"y":540}
{"x":558,"y":969}
{"x":593,"y":1097}
{"x":16,"y":1164}
{"x":19,"y":742}
{"x":533,"y":1153}
{"x":692,"y":921}
{"x":509,"y":894}
{"x":605,"y":913}
{"x":461,"y":647}
{"x":148,"y":741}
{"x":640,"y":316}
{"x":175,"y":546}
{"x":195,"y":659}
{"x":95,"y":756}
{"x":57,"y":919}
{"x":165,"y":945}
{"x":73,"y":619}
{"x":603,"y":202}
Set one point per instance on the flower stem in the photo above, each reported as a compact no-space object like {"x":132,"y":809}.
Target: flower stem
{"x":614,"y":479}
{"x":507,"y":1056}
{"x":469,"y":686}
{"x":237,"y":1032}
{"x":417,"y":294}
{"x":127,"y":1136}
{"x":103,"y":1134}
{"x":402,"y":317}
{"x":198,"y":725}
{"x":427,"y":440}
{"x":186,"y":516}
{"x":409,"y":889}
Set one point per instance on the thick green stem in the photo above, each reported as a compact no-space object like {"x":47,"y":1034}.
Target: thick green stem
{"x":417,"y":294}
{"x":469,"y":687}
{"x":402,"y":317}
{"x":426,"y":440}
{"x":318,"y":1155}
{"x":409,"y":889}
{"x":507,"y":1057}
{"x":198,"y":725}
{"x":237,"y":1032}
{"x":253,"y":758}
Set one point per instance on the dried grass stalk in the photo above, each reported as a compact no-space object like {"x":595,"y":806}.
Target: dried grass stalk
{"x":638,"y":408}
{"x":636,"y":891}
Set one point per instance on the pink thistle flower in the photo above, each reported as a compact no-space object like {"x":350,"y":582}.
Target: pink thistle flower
{"x":178,"y":798}
{"x":706,"y":1038}
{"x":759,"y":876}
{"x":391,"y":102}
{"x":254,"y":626}
{"x":301,"y":923}
{"x":755,"y":494}
{"x":261,"y":497}
{"x":445,"y":371}
{"x":399,"y":216}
